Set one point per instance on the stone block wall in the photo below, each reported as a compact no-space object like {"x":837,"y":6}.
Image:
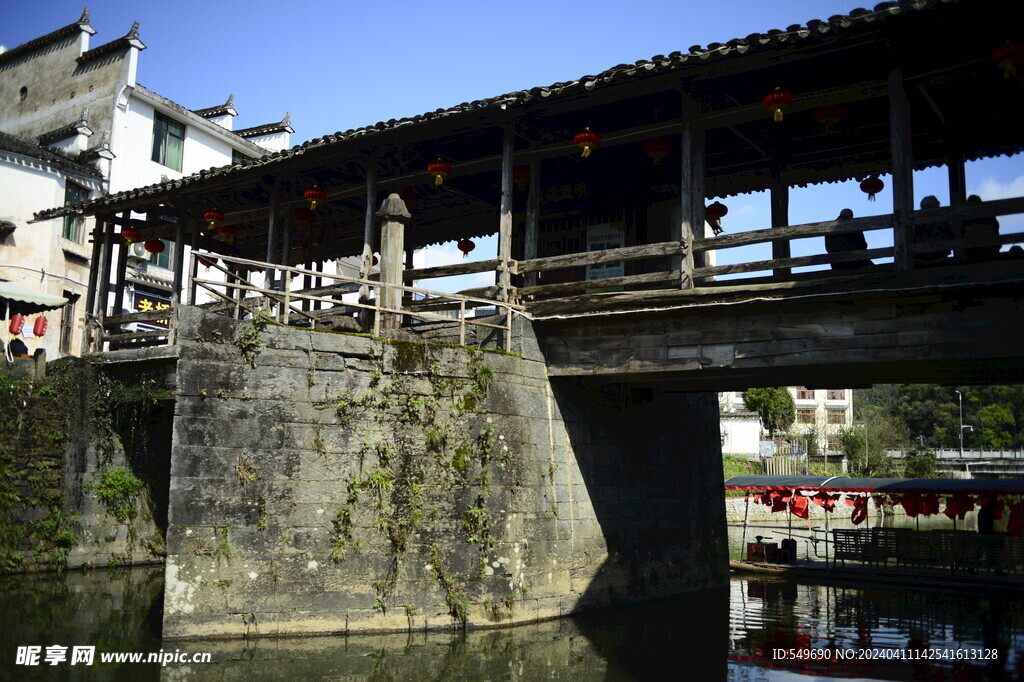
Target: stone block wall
{"x":325,"y":482}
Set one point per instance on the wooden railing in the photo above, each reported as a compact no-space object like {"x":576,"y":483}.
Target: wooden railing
{"x":237,"y":295}
{"x":674,"y":256}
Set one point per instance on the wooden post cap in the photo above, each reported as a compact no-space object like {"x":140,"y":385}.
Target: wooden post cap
{"x":393,"y":209}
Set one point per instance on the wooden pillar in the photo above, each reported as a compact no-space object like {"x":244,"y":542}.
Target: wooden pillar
{"x":193,"y":267}
{"x":103,"y":285}
{"x":902,"y":162}
{"x":780,"y":217}
{"x":505,"y":216}
{"x":272,"y":221}
{"x":119,"y":275}
{"x":692,"y":165}
{"x":530,"y":239}
{"x":94,"y":268}
{"x":957,"y":191}
{"x":393,"y":216}
{"x":179,"y":261}
{"x":286,"y":240}
{"x":366,"y":266}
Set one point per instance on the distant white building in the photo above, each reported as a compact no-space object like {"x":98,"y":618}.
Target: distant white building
{"x":824,"y":412}
{"x":78,"y":124}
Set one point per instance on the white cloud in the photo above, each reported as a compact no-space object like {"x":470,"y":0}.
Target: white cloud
{"x":448,"y":254}
{"x":992,"y":188}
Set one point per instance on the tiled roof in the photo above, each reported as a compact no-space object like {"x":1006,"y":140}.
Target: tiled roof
{"x":71,"y":29}
{"x":696,"y":56}
{"x":284,"y":125}
{"x":124,"y":42}
{"x":219,"y":110}
{"x":25,"y":148}
{"x":66,"y":131}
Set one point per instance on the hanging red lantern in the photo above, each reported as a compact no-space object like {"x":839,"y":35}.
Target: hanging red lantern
{"x":587,"y":140}
{"x":375,"y":260}
{"x":154,"y":246}
{"x":303,"y":217}
{"x":314,"y":195}
{"x":1008,"y":57}
{"x":829,"y":116}
{"x":227,"y":233}
{"x":521,"y":176}
{"x":409,"y":195}
{"x":130,"y":235}
{"x":440,"y":169}
{"x":778,"y":101}
{"x":871,"y":186}
{"x":208,"y":262}
{"x":657,"y":148}
{"x":465,"y":246}
{"x":716,"y":211}
{"x":39,"y":328}
{"x":213,"y":219}
{"x":17,"y":322}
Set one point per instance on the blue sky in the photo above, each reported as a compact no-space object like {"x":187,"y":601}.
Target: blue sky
{"x":340,"y":65}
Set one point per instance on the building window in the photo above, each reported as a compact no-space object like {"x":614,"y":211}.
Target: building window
{"x":837,"y":394}
{"x":837,"y":416}
{"x":805,"y":394}
{"x":805,"y":416}
{"x":168,"y":141}
{"x":834,"y":446}
{"x":67,"y":323}
{"x":74,"y":225}
{"x":165,"y":258}
{"x":238,"y":157}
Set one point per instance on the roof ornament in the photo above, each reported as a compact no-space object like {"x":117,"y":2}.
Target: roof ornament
{"x":287,"y":120}
{"x":133,"y":34}
{"x":231,"y":100}
{"x":84,"y":19}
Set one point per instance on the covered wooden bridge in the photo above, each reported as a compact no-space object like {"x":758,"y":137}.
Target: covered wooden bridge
{"x":607,"y":196}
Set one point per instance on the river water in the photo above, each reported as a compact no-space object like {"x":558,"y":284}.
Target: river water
{"x":738,"y":633}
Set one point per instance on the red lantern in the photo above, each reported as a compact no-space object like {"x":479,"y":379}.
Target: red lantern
{"x":1008,"y":57}
{"x":778,"y":101}
{"x":314,"y":195}
{"x":521,"y":176}
{"x":17,"y":322}
{"x":587,"y":140}
{"x":154,"y":246}
{"x":208,"y":262}
{"x":829,"y":116}
{"x":303,"y":217}
{"x":213,"y":219}
{"x":440,"y":169}
{"x":39,"y":328}
{"x":872,"y":186}
{"x":465,"y":246}
{"x":657,"y":148}
{"x":716,"y":211}
{"x":408,"y":195}
{"x":131,"y":235}
{"x":375,"y":260}
{"x":227,"y":233}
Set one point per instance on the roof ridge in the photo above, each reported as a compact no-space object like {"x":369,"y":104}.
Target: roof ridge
{"x":82,"y":25}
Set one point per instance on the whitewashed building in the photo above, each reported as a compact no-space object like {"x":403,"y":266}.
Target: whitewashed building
{"x":821,"y":411}
{"x":77,"y":123}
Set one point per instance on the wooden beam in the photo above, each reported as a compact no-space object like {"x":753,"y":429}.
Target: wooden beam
{"x":119,"y":275}
{"x":685,"y":228}
{"x":94,"y":268}
{"x":584,"y":285}
{"x":103,"y":288}
{"x":453,"y":269}
{"x":780,"y":218}
{"x":726,"y":241}
{"x":179,"y":262}
{"x":577,"y":260}
{"x":785,"y":264}
{"x":272,"y":220}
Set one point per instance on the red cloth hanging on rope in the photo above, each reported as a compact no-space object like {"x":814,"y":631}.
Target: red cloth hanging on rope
{"x":825,"y":501}
{"x":798,"y":506}
{"x":779,"y":502}
{"x":958,"y":505}
{"x":1015,"y":522}
{"x":911,"y":504}
{"x":860,"y":510}
{"x":930,"y":504}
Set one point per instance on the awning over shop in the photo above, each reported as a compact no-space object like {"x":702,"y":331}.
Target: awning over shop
{"x":840,"y":484}
{"x":27,"y":301}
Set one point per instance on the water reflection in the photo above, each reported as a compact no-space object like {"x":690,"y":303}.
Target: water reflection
{"x":725,"y":635}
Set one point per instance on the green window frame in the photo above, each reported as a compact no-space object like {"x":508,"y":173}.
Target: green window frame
{"x":73,"y":225}
{"x":168,"y":141}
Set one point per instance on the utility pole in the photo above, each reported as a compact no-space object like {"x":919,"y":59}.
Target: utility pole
{"x":960,"y":397}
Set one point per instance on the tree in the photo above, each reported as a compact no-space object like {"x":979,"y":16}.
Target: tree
{"x":866,"y":445}
{"x":997,"y":427}
{"x":774,"y":407}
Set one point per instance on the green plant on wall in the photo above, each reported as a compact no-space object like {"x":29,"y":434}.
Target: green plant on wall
{"x":117,"y":490}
